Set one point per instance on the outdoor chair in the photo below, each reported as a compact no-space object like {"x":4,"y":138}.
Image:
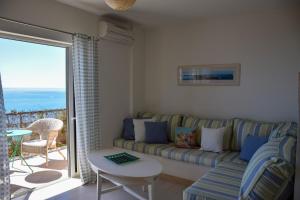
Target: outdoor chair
{"x":46,"y":131}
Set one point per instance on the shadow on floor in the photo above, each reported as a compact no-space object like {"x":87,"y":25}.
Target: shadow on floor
{"x":55,"y":164}
{"x":43,"y":176}
{"x":18,"y":191}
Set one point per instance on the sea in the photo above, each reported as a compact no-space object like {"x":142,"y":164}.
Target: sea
{"x":24,"y":100}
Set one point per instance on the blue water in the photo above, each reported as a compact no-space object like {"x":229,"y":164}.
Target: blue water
{"x":33,"y":99}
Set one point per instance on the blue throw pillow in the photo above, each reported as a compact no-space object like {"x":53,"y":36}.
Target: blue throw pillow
{"x":251,"y":144}
{"x":156,"y":132}
{"x":128,"y":129}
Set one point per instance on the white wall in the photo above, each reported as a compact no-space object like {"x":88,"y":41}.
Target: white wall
{"x":138,"y":70}
{"x":115,"y":63}
{"x":51,"y":14}
{"x":267,"y":46}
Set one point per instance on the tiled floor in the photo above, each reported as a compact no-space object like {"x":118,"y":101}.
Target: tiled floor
{"x":71,"y":189}
{"x":22,"y":180}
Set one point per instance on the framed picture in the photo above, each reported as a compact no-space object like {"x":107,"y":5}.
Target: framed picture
{"x":214,"y":74}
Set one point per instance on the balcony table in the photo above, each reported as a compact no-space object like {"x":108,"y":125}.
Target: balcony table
{"x":17,"y":136}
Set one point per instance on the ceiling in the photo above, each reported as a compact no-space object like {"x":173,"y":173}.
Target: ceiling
{"x":160,"y":12}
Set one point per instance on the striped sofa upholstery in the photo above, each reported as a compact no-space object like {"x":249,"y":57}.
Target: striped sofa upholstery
{"x":198,"y":123}
{"x":174,"y":120}
{"x":194,"y":156}
{"x":242,"y":128}
{"x":269,"y":171}
{"x":268,"y":175}
{"x":221,"y":183}
{"x":152,"y":149}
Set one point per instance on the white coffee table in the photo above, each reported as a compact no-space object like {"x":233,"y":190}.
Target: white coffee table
{"x":142,"y":172}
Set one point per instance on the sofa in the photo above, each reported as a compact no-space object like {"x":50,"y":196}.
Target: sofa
{"x":268,"y":175}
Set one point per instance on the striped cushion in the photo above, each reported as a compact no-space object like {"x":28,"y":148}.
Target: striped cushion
{"x":287,"y":148}
{"x":195,"y":122}
{"x":234,"y":157}
{"x":195,"y":156}
{"x":273,"y":182}
{"x":144,"y":115}
{"x":220,"y":183}
{"x":242,"y":128}
{"x":266,"y":156}
{"x":285,"y":129}
{"x":153,"y":149}
{"x":174,"y":120}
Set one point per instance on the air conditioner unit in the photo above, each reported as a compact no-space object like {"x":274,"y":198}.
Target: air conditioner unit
{"x":113,"y":32}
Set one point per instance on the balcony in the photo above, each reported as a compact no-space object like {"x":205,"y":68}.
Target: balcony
{"x":22,"y":179}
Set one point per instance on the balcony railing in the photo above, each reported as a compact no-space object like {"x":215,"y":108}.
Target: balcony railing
{"x":17,"y":120}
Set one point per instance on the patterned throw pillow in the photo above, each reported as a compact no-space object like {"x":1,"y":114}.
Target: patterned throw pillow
{"x":185,"y":137}
{"x":198,"y":123}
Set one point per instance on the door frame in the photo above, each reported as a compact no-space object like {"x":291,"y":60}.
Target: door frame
{"x":71,"y":136}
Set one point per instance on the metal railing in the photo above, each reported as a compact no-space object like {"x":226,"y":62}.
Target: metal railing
{"x":17,"y":120}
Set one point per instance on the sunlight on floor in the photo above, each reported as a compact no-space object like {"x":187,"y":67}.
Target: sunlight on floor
{"x":22,"y":180}
{"x":55,"y":189}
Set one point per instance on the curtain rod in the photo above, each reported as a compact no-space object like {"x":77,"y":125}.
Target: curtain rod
{"x":36,"y":26}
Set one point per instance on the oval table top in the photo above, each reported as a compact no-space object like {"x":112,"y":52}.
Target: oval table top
{"x":145,"y":167}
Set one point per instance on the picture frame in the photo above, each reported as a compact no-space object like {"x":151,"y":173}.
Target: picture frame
{"x":210,"y":74}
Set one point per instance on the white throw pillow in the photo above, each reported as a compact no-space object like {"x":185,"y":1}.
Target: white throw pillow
{"x":212,"y":139}
{"x":139,"y":129}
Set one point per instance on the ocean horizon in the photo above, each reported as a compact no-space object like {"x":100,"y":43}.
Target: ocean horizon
{"x":33,"y":99}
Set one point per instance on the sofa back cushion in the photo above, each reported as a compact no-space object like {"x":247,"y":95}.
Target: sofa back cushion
{"x":143,"y":115}
{"x":196,"y":122}
{"x":243,"y":127}
{"x":268,"y":163}
{"x":174,"y":121}
{"x":252,"y":144}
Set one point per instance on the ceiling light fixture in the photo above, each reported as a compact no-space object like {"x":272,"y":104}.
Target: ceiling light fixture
{"x":120,"y":5}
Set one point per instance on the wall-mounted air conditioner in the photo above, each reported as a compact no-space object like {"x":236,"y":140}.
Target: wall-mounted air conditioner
{"x":113,"y":32}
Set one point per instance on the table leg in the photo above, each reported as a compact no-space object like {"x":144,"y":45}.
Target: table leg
{"x":17,"y":146}
{"x":150,"y":191}
{"x":99,"y":186}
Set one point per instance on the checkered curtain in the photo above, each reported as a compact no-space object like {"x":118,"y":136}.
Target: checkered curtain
{"x":87,"y":101}
{"x":4,"y":162}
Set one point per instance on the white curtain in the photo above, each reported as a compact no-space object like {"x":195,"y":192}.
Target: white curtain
{"x":87,"y":101}
{"x":4,"y":162}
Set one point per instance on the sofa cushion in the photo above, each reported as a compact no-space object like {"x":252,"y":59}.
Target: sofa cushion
{"x":153,"y":149}
{"x":139,"y":129}
{"x":196,"y":122}
{"x":220,"y":183}
{"x":156,"y":132}
{"x":185,"y":137}
{"x":234,"y":157}
{"x":143,"y":115}
{"x":195,"y":156}
{"x":267,"y":158}
{"x":252,"y":143}
{"x":128,"y":129}
{"x":242,"y":128}
{"x":285,"y":129}
{"x":212,"y":139}
{"x":174,"y":120}
{"x":275,"y":180}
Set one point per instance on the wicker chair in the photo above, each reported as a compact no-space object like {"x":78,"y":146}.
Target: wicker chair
{"x":43,"y":138}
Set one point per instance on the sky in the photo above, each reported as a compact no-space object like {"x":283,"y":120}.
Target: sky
{"x":30,"y":65}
